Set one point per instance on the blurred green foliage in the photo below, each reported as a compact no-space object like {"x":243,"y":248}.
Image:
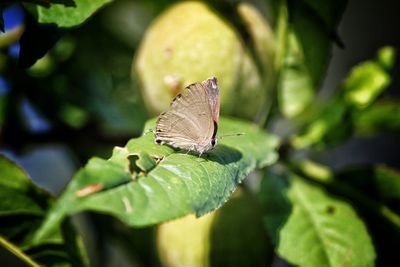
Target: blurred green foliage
{"x":22,"y":209}
{"x":87,"y":75}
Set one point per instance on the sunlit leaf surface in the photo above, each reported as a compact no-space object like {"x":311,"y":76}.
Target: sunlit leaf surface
{"x":144,"y":183}
{"x":69,"y":16}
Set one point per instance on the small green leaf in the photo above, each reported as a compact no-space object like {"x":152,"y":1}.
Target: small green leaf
{"x":386,"y":57}
{"x":320,"y":230}
{"x":388,"y":181}
{"x":382,"y":116}
{"x":365,"y":82}
{"x":368,"y":79}
{"x":69,"y":16}
{"x":327,"y":127}
{"x":179,"y":183}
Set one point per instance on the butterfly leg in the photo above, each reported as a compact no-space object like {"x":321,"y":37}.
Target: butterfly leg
{"x":187,"y":152}
{"x":200,"y":152}
{"x":190,"y":149}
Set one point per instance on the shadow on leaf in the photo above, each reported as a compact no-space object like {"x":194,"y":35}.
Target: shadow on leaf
{"x":223,"y":155}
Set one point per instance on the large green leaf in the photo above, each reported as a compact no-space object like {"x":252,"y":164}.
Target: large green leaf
{"x":144,"y":183}
{"x":22,"y":209}
{"x":20,"y":201}
{"x":69,"y":16}
{"x":318,"y":230}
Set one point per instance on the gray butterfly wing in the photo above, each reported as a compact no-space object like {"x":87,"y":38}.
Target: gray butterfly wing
{"x":189,"y":123}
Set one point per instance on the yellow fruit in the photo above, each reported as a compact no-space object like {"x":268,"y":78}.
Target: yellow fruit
{"x":231,"y":236}
{"x":190,"y":42}
{"x":187,"y":43}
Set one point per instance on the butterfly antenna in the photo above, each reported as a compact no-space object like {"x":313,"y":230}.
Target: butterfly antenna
{"x":234,"y":134}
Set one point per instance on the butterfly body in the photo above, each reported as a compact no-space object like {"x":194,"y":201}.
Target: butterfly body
{"x":191,"y":123}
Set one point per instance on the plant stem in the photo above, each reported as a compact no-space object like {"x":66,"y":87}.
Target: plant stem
{"x":17,"y":252}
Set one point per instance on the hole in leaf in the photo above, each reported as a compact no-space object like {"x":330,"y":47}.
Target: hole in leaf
{"x":133,"y":168}
{"x":141,"y":163}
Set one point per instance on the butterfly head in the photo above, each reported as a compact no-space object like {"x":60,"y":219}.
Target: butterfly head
{"x":214,"y":142}
{"x":214,"y":138}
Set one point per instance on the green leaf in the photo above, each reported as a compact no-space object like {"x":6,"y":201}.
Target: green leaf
{"x":69,"y":16}
{"x":17,"y":193}
{"x":320,"y":229}
{"x":144,"y":183}
{"x":386,"y":57}
{"x":368,"y":79}
{"x":332,"y":233}
{"x":388,"y":181}
{"x":22,"y":209}
{"x":365,"y":82}
{"x":326,"y":127}
{"x":383,"y":116}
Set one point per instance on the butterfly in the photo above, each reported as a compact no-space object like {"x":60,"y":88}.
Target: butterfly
{"x":191,"y":123}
